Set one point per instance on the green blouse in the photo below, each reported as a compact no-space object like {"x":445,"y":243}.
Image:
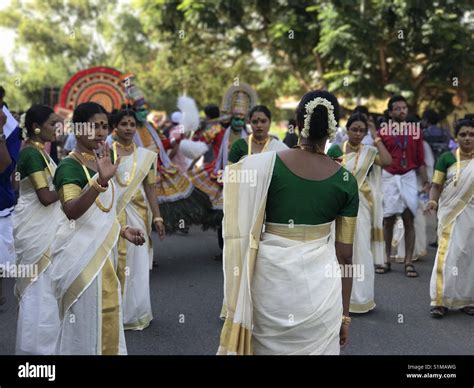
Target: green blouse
{"x":334,"y":152}
{"x":70,"y":179}
{"x":445,"y":160}
{"x":31,"y":164}
{"x":239,"y":149}
{"x":310,"y":202}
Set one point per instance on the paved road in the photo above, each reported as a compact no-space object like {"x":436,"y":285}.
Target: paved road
{"x":186,"y":292}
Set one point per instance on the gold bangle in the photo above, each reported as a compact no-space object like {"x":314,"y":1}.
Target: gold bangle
{"x":96,"y":185}
{"x":346,"y":320}
{"x":433,"y":201}
{"x":123,"y":229}
{"x":159,"y":219}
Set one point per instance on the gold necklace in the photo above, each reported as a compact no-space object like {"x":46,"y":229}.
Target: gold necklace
{"x":310,"y":148}
{"x":466,"y":154}
{"x":260,"y":142}
{"x":87,"y":156}
{"x":344,"y":153}
{"x":134,"y":166}
{"x":125,"y":147}
{"x":37,"y":144}
{"x":99,"y":204}
{"x":266,"y":142}
{"x":356,"y":148}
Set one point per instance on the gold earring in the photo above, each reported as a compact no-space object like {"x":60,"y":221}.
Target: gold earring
{"x":37,"y":131}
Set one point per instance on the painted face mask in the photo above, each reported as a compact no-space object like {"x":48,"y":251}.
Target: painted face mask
{"x":237,"y":124}
{"x":141,"y":115}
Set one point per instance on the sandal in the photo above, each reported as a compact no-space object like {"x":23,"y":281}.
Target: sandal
{"x":410,"y":271}
{"x":469,"y":310}
{"x":438,"y":312}
{"x":380,"y":269}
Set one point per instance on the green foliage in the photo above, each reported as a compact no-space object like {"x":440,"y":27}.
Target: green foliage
{"x":365,"y":48}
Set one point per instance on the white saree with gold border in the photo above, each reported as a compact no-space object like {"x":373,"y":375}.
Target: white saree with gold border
{"x":452,"y":279}
{"x":362,"y":296}
{"x":85,"y":282}
{"x":34,"y":228}
{"x":279,"y":297}
{"x":133,"y":268}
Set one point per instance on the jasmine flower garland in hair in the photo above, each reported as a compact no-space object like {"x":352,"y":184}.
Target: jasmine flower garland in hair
{"x":309,"y":107}
{"x":23,"y":126}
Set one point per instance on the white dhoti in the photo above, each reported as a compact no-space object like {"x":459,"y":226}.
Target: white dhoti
{"x":399,"y":193}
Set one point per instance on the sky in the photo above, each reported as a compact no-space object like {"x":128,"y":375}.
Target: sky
{"x":8,"y":39}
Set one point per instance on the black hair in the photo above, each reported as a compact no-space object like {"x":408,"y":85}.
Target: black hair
{"x":463,"y":123}
{"x":431,"y":117}
{"x":121,"y":114}
{"x":38,"y":114}
{"x":395,"y":99}
{"x":2,"y":92}
{"x":362,"y":109}
{"x":318,"y":128}
{"x":86,"y":110}
{"x":358,"y":116}
{"x":212,"y":111}
{"x":469,"y":116}
{"x":261,"y":108}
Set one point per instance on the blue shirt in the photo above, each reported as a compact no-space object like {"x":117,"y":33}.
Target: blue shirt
{"x":7,"y":195}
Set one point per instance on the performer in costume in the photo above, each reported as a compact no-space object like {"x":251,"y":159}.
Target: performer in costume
{"x":211,"y":132}
{"x":138,"y":206}
{"x":237,"y":101}
{"x":368,"y":241}
{"x":84,"y":253}
{"x":180,"y":204}
{"x":452,"y":284}
{"x":283,"y":288}
{"x":35,"y":221}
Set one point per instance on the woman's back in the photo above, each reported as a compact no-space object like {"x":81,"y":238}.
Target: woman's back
{"x":309,"y":189}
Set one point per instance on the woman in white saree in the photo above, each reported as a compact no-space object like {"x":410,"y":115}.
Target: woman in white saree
{"x":84,"y":251}
{"x":452,"y":284}
{"x":137,"y":205}
{"x":369,"y":245}
{"x":35,"y":221}
{"x":282,"y":282}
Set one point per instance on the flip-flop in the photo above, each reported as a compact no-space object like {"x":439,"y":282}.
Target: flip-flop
{"x":438,"y":312}
{"x":381,"y":269}
{"x":410,"y":271}
{"x":468,"y":310}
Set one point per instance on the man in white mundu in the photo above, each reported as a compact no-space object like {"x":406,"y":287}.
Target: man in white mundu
{"x":399,"y":180}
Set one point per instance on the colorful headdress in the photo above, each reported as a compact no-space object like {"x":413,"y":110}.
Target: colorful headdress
{"x":238,"y":99}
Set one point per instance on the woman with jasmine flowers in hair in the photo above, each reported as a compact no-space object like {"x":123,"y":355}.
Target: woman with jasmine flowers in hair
{"x":84,"y":253}
{"x":283,"y":288}
{"x":369,"y":245}
{"x":35,"y":222}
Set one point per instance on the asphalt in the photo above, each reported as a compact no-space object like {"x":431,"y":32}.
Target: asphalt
{"x":186,"y":293}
